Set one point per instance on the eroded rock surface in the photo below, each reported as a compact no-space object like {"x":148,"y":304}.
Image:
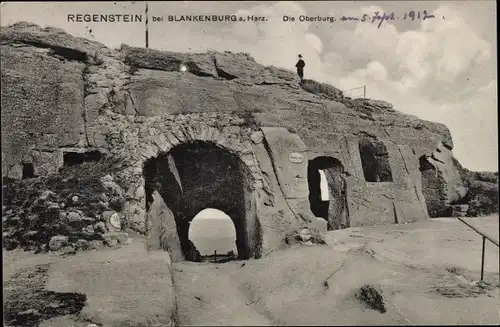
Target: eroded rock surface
{"x":134,"y":105}
{"x":164,"y":229}
{"x":441,"y":182}
{"x":482,"y":191}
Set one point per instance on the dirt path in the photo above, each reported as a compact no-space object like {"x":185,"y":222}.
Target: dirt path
{"x":436,"y":242}
{"x":423,"y":273}
{"x":125,"y":287}
{"x":208,"y":296}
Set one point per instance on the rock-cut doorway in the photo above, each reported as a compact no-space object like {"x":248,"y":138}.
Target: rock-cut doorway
{"x":327,"y":191}
{"x":193,"y":177}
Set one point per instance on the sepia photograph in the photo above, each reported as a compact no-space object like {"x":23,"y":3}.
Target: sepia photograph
{"x":249,"y":163}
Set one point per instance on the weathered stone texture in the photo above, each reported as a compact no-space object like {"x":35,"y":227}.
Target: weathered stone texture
{"x":274,"y":212}
{"x":163,"y":229}
{"x":42,"y":102}
{"x":292,"y":176}
{"x":482,"y":193}
{"x":62,"y":43}
{"x":157,"y":93}
{"x":45,"y":163}
{"x":441,"y":182}
{"x":201,"y":64}
{"x":137,"y":105}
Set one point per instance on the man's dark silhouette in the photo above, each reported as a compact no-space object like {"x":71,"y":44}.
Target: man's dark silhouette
{"x":300,"y":68}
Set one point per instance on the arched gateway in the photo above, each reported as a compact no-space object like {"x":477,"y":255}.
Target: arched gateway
{"x":198,"y":173}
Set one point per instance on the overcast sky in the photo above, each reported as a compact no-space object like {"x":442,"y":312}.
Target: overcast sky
{"x":442,"y":69}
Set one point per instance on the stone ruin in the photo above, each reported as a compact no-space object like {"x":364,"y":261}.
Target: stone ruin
{"x":227,"y":133}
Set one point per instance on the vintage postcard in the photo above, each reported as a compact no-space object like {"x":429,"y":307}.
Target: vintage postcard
{"x":254,"y":163}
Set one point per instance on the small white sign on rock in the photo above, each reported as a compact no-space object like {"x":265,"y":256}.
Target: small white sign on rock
{"x":296,"y":157}
{"x":114,"y":220}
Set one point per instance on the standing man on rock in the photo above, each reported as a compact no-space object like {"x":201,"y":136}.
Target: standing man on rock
{"x":300,"y":68}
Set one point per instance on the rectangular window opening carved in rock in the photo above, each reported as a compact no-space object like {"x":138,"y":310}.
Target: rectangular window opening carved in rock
{"x":75,"y":158}
{"x":28,"y":171}
{"x":375,"y":161}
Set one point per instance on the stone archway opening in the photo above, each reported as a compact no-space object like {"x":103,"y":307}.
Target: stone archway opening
{"x":213,"y":235}
{"x":190,"y":178}
{"x":327,"y":191}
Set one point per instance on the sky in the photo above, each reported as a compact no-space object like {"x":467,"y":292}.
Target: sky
{"x":440,"y":69}
{"x":323,"y":186}
{"x":212,"y":229}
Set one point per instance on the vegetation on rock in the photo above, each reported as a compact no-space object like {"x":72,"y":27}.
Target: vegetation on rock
{"x":322,"y":89}
{"x":66,"y":208}
{"x":371,"y":297}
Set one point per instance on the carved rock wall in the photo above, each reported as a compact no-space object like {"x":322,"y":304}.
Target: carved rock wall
{"x":134,"y":104}
{"x":441,"y":181}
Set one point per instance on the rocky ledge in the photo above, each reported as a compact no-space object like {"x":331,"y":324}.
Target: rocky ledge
{"x":69,"y":100}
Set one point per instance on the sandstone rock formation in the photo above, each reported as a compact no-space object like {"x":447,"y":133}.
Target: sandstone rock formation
{"x":482,"y":191}
{"x":163,"y":233}
{"x":240,"y":137}
{"x":441,"y":182}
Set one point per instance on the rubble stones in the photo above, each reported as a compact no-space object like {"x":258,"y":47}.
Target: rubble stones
{"x":100,"y":227}
{"x":107,"y":214}
{"x":460,"y":210}
{"x":482,"y":191}
{"x":304,"y":235}
{"x":111,"y":242}
{"x":46,"y":220}
{"x":57,"y":242}
{"x":47,"y":195}
{"x":114,"y":238}
{"x":89,"y":229}
{"x":73,"y":216}
{"x":96,"y":244}
{"x":68,"y":250}
{"x":82,"y":244}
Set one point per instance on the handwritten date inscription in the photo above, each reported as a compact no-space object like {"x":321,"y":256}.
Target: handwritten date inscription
{"x":377,"y":18}
{"x":382,"y":17}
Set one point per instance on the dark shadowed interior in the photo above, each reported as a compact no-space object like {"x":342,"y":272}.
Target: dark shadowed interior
{"x":75,"y":158}
{"x":333,"y":210}
{"x":432,"y":185}
{"x":199,"y":175}
{"x":375,"y":160}
{"x":28,"y":171}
